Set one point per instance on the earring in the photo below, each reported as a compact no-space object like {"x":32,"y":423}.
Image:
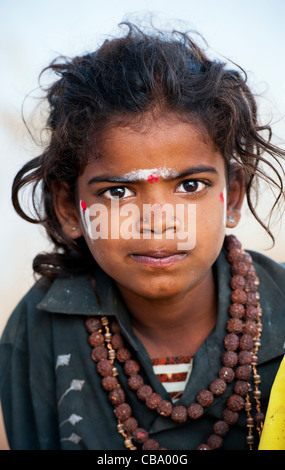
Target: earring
{"x":231,"y":219}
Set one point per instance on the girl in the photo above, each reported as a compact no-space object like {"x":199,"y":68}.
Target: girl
{"x":133,"y":337}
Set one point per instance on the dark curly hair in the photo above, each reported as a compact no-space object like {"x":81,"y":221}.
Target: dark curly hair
{"x":117,"y":84}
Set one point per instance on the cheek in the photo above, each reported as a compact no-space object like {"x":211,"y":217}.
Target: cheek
{"x":94,"y":233}
{"x":211,"y":216}
{"x":105,"y":253}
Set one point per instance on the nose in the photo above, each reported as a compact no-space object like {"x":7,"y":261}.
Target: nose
{"x":158,"y":219}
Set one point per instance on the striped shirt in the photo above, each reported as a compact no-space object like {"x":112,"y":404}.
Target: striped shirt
{"x":173,"y":373}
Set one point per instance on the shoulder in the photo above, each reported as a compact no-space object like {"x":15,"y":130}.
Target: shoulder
{"x":269,"y":271}
{"x":69,"y":295}
{"x":272,"y":301}
{"x":16,"y":327}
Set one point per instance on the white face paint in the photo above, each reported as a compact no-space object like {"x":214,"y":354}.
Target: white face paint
{"x":85,"y":216}
{"x":225,"y":205}
{"x":149,"y":174}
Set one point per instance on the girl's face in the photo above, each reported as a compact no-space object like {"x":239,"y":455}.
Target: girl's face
{"x":169,"y":163}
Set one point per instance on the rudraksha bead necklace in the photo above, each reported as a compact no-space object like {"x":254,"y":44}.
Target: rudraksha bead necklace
{"x":239,"y":363}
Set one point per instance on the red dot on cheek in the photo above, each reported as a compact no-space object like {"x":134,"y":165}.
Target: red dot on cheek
{"x":222,"y":198}
{"x":83,"y":205}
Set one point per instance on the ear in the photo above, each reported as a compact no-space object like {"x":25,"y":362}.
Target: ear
{"x":236,"y":193}
{"x":66,"y":211}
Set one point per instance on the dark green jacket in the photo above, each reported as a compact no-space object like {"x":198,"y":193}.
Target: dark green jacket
{"x":52,"y":396}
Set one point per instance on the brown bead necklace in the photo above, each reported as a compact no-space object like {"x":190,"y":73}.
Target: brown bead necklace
{"x":239,"y":365}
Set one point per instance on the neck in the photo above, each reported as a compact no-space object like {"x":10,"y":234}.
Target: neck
{"x":177,"y":325}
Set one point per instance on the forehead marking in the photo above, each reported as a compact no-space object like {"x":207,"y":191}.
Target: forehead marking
{"x":153,"y":178}
{"x":152,"y":175}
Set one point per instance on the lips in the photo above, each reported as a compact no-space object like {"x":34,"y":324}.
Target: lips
{"x":158,"y":258}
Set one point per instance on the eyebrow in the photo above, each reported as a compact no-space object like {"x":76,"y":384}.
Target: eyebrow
{"x":117,"y":179}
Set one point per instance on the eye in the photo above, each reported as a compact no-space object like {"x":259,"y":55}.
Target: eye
{"x":191,"y":186}
{"x":117,"y":192}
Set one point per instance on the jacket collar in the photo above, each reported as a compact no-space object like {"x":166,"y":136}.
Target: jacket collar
{"x":75,"y":296}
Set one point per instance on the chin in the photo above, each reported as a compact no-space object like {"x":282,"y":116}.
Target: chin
{"x":160,"y":291}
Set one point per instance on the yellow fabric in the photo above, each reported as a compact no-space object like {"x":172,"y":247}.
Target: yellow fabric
{"x":273,"y":434}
